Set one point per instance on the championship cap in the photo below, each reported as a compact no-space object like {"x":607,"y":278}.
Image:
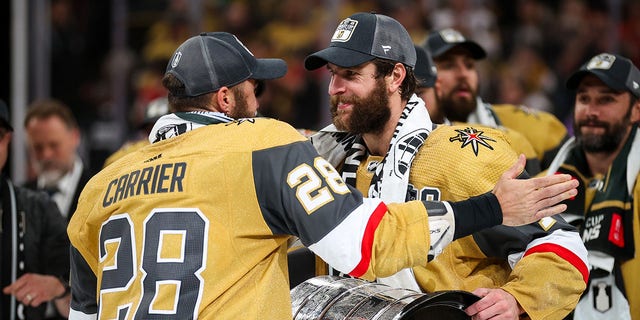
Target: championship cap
{"x":4,"y":116}
{"x":616,"y":71}
{"x":425,"y":69}
{"x":439,"y":42}
{"x":363,"y":37}
{"x":209,"y":61}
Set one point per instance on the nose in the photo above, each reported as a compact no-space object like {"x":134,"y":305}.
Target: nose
{"x":461,"y":70}
{"x":336,"y":85}
{"x":592,"y":110}
{"x":46,"y":153}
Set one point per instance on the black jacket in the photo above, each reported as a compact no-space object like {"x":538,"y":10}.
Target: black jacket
{"x":45,"y":240}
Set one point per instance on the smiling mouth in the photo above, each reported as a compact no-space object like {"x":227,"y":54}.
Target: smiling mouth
{"x":344,"y":106}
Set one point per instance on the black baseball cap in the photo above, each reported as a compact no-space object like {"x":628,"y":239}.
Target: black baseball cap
{"x":4,"y":116}
{"x":425,"y":69}
{"x":211,"y":60}
{"x":441,"y":41}
{"x":616,"y":71}
{"x":363,"y":37}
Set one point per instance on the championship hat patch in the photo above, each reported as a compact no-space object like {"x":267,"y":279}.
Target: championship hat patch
{"x":345,"y":30}
{"x":602,"y":61}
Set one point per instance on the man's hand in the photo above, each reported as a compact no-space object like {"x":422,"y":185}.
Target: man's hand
{"x":32,"y":289}
{"x":525,"y":201}
{"x":495,"y":304}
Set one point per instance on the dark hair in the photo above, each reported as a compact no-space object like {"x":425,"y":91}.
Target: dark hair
{"x":408,"y":87}
{"x":43,"y":109}
{"x":180,"y":102}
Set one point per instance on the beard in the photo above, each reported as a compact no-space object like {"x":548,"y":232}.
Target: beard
{"x":367,"y":115}
{"x":241,"y":109}
{"x":606,"y":142}
{"x":457,"y":109}
{"x":50,"y":173}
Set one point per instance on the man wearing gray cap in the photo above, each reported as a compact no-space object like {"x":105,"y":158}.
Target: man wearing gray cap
{"x":458,"y":85}
{"x":426,"y":76}
{"x":604,"y":156}
{"x":385,"y":145}
{"x":197,"y":224}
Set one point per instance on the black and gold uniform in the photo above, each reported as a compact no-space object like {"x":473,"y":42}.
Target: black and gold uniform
{"x":543,"y":265}
{"x":197,"y":224}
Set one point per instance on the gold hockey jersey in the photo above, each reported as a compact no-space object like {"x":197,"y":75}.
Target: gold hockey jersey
{"x":543,"y":265}
{"x":197,"y":225}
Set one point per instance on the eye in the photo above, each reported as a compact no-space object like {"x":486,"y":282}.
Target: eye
{"x":582,"y":99}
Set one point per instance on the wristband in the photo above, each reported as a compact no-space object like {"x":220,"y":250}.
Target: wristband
{"x":66,"y":286}
{"x":475,"y":214}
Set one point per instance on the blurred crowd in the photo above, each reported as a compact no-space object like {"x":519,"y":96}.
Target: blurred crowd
{"x":532,"y":47}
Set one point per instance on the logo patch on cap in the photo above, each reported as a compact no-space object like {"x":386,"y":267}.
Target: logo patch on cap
{"x":602,"y":61}
{"x":345,"y":30}
{"x":176,"y":59}
{"x":451,"y":36}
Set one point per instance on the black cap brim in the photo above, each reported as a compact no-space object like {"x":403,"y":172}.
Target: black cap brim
{"x":476,"y":50}
{"x":341,"y":57}
{"x":574,"y":80}
{"x":269,"y":69}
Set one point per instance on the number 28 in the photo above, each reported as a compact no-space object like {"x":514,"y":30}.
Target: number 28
{"x":307,"y":182}
{"x":171,"y":282}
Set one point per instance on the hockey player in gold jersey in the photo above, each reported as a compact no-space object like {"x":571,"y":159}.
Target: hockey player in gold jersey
{"x":426,"y":75}
{"x":458,"y":83}
{"x":196,"y":224}
{"x":384,"y":143}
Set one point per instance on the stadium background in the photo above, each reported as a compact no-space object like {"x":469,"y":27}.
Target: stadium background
{"x":105,"y":58}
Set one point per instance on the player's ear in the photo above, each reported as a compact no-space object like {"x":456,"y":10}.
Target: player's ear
{"x":224,"y":100}
{"x":397,"y":76}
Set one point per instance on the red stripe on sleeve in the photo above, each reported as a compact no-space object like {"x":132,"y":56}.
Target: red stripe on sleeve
{"x":367,"y":240}
{"x":565,"y":254}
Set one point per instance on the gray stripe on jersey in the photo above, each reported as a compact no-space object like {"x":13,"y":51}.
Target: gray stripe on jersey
{"x":281,"y":204}
{"x":83,"y":297}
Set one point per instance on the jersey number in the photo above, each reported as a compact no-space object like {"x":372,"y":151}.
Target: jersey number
{"x":310,"y":190}
{"x":172,"y":258}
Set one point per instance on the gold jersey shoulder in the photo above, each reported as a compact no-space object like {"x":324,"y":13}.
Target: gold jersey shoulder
{"x":542,"y":129}
{"x":462,"y":161}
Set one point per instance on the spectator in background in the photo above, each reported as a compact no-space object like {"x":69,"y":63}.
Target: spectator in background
{"x":458,"y":83}
{"x":53,"y":137}
{"x":604,"y":157}
{"x":473,"y":18}
{"x":34,"y":268}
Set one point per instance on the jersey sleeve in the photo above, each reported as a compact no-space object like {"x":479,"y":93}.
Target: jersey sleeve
{"x":521,"y":252}
{"x":83,"y":288}
{"x":301,"y":194}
